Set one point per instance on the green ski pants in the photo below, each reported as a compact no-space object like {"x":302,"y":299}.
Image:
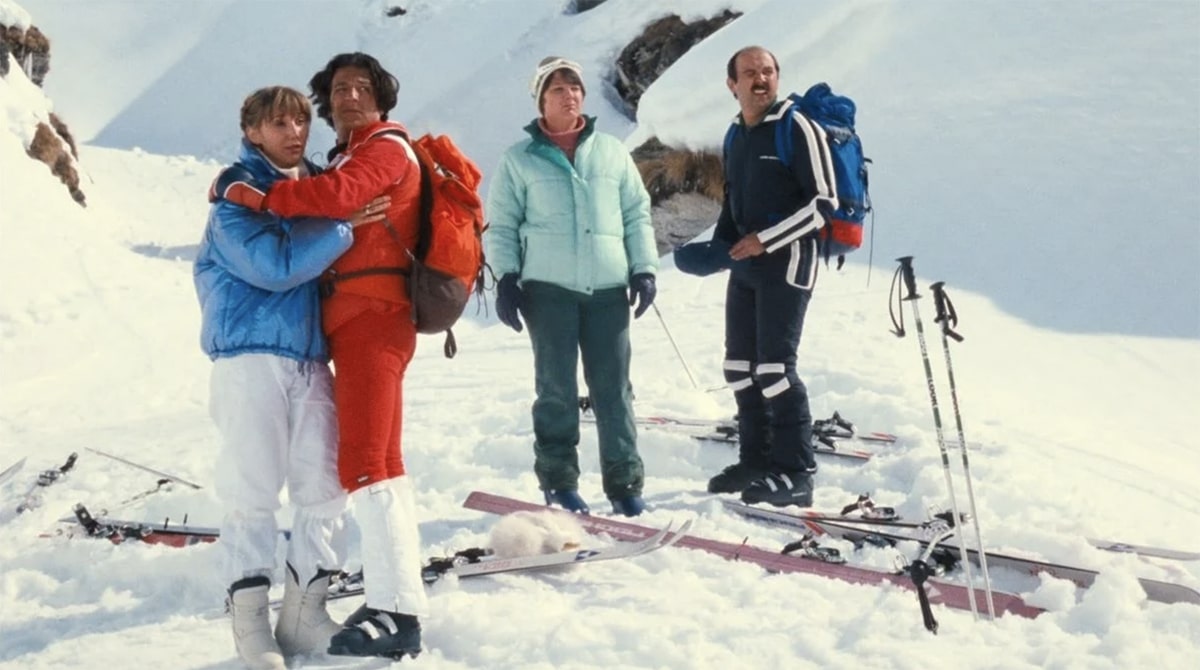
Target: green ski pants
{"x":564,"y":324}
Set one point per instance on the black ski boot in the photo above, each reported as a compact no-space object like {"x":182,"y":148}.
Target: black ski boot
{"x":735,"y":478}
{"x":372,"y":632}
{"x":781,"y":489}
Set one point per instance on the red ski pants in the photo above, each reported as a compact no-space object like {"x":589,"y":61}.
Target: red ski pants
{"x":370,"y":353}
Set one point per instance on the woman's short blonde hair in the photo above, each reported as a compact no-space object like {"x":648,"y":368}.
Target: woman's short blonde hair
{"x":266,"y":103}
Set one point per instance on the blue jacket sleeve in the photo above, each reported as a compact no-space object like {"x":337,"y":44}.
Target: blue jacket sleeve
{"x":272,"y":253}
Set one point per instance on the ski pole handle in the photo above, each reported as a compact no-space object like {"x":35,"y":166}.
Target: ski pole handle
{"x":910,"y":280}
{"x":920,"y":571}
{"x":944,"y":309}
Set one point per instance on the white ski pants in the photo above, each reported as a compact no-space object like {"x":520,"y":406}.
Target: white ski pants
{"x":278,"y":424}
{"x":391,"y":547}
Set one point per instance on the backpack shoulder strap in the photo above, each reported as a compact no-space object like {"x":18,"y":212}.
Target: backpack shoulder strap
{"x":391,"y":131}
{"x":728,"y":141}
{"x":425,"y":198}
{"x":784,"y":128}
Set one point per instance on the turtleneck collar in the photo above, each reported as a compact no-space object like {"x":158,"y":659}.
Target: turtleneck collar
{"x":566,"y":140}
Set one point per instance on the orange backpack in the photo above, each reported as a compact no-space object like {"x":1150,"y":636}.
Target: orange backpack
{"x":448,"y":261}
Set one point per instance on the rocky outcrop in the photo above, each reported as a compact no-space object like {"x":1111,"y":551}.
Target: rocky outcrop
{"x":667,"y":171}
{"x":30,"y":49}
{"x":581,"y":6}
{"x":686,"y":188}
{"x":52,"y":142}
{"x":644,"y":59}
{"x":52,"y":149}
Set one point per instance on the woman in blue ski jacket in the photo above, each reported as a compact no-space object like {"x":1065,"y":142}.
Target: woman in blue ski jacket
{"x":271,"y":387}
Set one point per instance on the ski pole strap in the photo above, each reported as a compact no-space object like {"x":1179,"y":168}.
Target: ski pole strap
{"x":920,"y":571}
{"x":894,"y":306}
{"x":945,"y":311}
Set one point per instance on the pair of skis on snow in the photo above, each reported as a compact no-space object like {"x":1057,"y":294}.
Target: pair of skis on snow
{"x":873,"y":525}
{"x":480,"y":562}
{"x":184,"y":535}
{"x":34,"y":495}
{"x":831,"y":437}
{"x":869,"y":526}
{"x":892,"y":531}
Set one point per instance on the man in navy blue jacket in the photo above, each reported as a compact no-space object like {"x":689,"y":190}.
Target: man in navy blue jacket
{"x":769,"y":221}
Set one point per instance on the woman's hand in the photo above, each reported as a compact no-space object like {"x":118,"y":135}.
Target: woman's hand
{"x":373,"y":211}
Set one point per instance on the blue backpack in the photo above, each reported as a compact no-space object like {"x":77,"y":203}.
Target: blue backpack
{"x":843,"y":231}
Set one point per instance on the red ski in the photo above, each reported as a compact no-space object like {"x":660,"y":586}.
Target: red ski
{"x":938,"y":592}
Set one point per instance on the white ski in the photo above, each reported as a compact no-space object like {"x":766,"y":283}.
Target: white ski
{"x":1144,"y":550}
{"x":488,"y":566}
{"x":351,"y":585}
{"x":33,"y":496}
{"x":11,"y":470}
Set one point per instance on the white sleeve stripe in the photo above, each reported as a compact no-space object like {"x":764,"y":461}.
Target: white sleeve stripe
{"x":797,"y":234}
{"x":803,"y":222}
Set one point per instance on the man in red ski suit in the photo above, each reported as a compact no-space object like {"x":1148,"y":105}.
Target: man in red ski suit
{"x":366,"y":314}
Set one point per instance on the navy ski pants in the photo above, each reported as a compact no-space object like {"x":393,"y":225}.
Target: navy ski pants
{"x":764,"y":316}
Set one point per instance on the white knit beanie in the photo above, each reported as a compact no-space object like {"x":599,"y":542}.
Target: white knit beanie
{"x":547,"y":67}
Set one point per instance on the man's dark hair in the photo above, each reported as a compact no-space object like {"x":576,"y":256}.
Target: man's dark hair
{"x":731,"y":67}
{"x":385,"y":85}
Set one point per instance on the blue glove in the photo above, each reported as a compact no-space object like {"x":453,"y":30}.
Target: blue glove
{"x":508,"y":301}
{"x":641,"y":292}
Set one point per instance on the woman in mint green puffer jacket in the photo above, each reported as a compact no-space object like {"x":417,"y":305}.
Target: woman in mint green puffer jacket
{"x":569,"y":233}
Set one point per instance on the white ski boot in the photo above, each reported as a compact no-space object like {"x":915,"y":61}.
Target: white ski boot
{"x":304,"y":625}
{"x":251,"y":612}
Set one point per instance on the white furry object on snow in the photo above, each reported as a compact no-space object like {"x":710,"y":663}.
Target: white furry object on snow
{"x":530,"y":533}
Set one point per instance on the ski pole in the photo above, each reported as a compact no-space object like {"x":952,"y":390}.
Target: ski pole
{"x":158,"y":473}
{"x":948,"y":318}
{"x":675,"y":346}
{"x":905,"y":272}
